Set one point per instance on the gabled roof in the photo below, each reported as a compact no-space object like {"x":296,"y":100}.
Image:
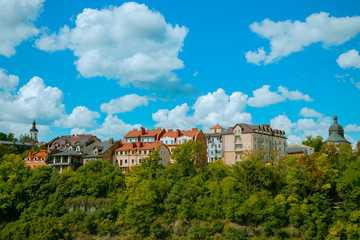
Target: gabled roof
{"x":191,"y":133}
{"x":217,"y":126}
{"x":142,"y":132}
{"x":138,"y":146}
{"x":72,"y":140}
{"x":171,"y":133}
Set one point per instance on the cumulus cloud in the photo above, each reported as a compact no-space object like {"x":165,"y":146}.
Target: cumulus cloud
{"x":131,"y":43}
{"x":24,"y":128}
{"x":264,"y":97}
{"x":16,"y":23}
{"x":352,"y":128}
{"x":207,"y":111}
{"x":34,"y":100}
{"x":114,"y":127}
{"x":8,"y":82}
{"x":309,"y":112}
{"x":314,"y":124}
{"x":350,"y":59}
{"x":80,"y":117}
{"x":125,"y":103}
{"x":293,"y":95}
{"x":287,"y":37}
{"x":282,"y":122}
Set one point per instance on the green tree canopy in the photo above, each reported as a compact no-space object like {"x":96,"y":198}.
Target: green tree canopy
{"x":314,"y":142}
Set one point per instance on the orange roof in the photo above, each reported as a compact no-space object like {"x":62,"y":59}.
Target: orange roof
{"x":217,"y":126}
{"x":172,"y":134}
{"x":191,"y":133}
{"x":149,"y":146}
{"x":39,"y":154}
{"x":143,"y":132}
{"x":138,"y":146}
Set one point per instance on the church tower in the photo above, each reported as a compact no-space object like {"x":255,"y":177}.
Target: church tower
{"x":34,"y":132}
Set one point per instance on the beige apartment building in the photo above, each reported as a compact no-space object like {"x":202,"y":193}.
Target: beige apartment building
{"x":259,"y":138}
{"x":132,"y":153}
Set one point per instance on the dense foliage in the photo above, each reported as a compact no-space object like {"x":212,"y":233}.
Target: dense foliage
{"x":312,"y":197}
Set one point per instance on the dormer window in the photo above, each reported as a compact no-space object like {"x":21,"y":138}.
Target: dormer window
{"x":35,"y":158}
{"x":70,"y":148}
{"x":28,"y":159}
{"x":78,"y":148}
{"x":95,"y":152}
{"x":42,"y":158}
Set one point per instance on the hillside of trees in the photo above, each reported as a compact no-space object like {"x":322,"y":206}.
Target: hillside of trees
{"x":313,"y":197}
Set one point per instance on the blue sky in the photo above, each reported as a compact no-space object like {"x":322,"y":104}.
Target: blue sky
{"x":105,"y":67}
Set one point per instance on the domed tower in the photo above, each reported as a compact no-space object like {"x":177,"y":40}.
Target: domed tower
{"x":336,"y":128}
{"x":336,"y":133}
{"x":34,"y":132}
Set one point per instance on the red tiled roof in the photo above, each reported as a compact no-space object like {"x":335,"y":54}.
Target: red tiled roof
{"x":172,"y":134}
{"x":138,"y":146}
{"x":39,"y":155}
{"x":142,"y":132}
{"x":191,"y":133}
{"x":217,"y":126}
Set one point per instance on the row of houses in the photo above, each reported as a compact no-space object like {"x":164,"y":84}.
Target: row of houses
{"x":73,"y":151}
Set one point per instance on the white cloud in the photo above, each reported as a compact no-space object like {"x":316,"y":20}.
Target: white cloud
{"x":256,"y":57}
{"x":264,"y":97}
{"x":207,"y":111}
{"x":131,"y":43}
{"x":297,"y":131}
{"x":352,"y":128}
{"x":175,"y":118}
{"x":34,"y":100}
{"x":282,"y":122}
{"x":350,"y":59}
{"x":287,"y":37}
{"x":8,"y":82}
{"x":16,"y":23}
{"x":309,"y":112}
{"x":24,"y":128}
{"x":113,"y":127}
{"x":293,"y":95}
{"x":125,"y":103}
{"x":80,"y":117}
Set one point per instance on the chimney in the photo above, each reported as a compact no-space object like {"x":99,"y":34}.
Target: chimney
{"x":30,"y":152}
{"x":170,"y":130}
{"x":178,"y":132}
{"x":142,"y":130}
{"x":194,"y":129}
{"x":134,"y":129}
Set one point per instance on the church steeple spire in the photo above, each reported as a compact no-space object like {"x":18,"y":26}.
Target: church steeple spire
{"x":335,"y":119}
{"x":33,"y":131}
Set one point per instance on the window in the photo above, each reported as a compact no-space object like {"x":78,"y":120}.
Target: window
{"x":78,"y":148}
{"x":132,"y":152}
{"x":140,"y":152}
{"x":219,"y":145}
{"x":172,"y":141}
{"x":42,"y":158}
{"x":125,"y":161}
{"x":70,"y":148}
{"x":179,"y":141}
{"x":95,"y":152}
{"x":132,"y":161}
{"x":166,"y":141}
{"x":116,"y":161}
{"x":139,"y":160}
{"x":121,"y":162}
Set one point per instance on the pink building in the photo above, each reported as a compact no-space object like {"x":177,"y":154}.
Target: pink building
{"x":132,"y":153}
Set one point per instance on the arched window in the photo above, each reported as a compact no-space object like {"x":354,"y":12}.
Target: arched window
{"x":78,"y":148}
{"x":35,"y":158}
